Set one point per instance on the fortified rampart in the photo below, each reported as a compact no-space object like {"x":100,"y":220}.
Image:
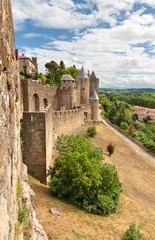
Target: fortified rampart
{"x":51,"y":111}
{"x":68,"y":122}
{"x":40,"y":131}
{"x":37,"y":96}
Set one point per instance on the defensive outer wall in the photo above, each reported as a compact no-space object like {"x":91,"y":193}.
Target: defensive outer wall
{"x":49,"y":112}
{"x":12,"y":169}
{"x":40,"y":131}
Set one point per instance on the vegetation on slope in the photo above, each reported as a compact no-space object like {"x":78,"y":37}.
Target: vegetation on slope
{"x":133,"y":234}
{"x":137,"y":177}
{"x":119,"y":113}
{"x":140,"y":97}
{"x":80,"y":177}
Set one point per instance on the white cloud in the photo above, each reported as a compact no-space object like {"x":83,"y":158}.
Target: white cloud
{"x":109,"y":51}
{"x":32,"y":35}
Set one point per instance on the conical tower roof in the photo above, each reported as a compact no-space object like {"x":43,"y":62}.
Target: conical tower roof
{"x":82,"y":74}
{"x":92,"y":75}
{"x":94,"y":96}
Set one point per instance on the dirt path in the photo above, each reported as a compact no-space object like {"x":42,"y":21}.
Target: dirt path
{"x":138,"y":149}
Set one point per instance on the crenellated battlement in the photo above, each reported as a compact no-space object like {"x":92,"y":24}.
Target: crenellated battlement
{"x":65,"y":112}
{"x":49,"y":112}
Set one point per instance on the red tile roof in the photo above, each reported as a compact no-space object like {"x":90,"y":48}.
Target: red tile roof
{"x":92,"y":75}
{"x":24,"y":57}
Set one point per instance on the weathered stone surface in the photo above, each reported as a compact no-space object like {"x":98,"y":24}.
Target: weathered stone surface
{"x":11,"y":164}
{"x":37,"y":231}
{"x":55,"y":211}
{"x":9,"y":123}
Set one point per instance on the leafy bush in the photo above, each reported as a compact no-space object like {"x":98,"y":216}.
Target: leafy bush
{"x":135,"y":134}
{"x":133,"y":234}
{"x":79,"y":177}
{"x":110,"y":148}
{"x":151,"y":127}
{"x":92,"y":131}
{"x":138,"y":125}
{"x":150,"y":146}
{"x":124,"y":125}
{"x":142,"y":137}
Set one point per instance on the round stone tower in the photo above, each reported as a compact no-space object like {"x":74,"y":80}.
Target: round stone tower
{"x":94,"y":83}
{"x":94,"y":100}
{"x":83,"y":86}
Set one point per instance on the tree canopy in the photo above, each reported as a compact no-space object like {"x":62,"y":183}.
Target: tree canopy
{"x":52,"y":68}
{"x":55,"y":72}
{"x":79,"y":176}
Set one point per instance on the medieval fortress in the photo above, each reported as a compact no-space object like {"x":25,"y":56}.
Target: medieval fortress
{"x":50,"y":111}
{"x":47,"y":112}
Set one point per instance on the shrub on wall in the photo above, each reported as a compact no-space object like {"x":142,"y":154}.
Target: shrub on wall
{"x":79,"y":177}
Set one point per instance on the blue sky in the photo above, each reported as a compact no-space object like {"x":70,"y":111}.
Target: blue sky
{"x":115,"y":38}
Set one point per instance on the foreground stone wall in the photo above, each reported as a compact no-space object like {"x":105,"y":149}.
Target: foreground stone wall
{"x":40,"y":132}
{"x":34,"y":146}
{"x":9,"y":124}
{"x":11,"y":166}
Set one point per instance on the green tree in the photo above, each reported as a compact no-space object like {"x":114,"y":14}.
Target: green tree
{"x":135,"y":117}
{"x":43,"y":78}
{"x":62,"y":65}
{"x":147,"y":119}
{"x":52,"y":67}
{"x":133,"y":234}
{"x":112,"y":112}
{"x":79,"y":177}
{"x":73,"y":71}
{"x":124,"y":125}
{"x":110,"y":148}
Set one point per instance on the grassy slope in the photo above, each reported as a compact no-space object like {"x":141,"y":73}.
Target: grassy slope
{"x":136,"y":204}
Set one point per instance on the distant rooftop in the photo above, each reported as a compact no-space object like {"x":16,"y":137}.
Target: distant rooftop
{"x":94,"y":96}
{"x":92,"y":75}
{"x":82,"y":74}
{"x":67,"y":77}
{"x":24,"y":57}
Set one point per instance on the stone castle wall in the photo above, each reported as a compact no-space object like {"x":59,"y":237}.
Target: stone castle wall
{"x":34,"y":147}
{"x":94,"y":84}
{"x":68,"y":122}
{"x":10,"y":161}
{"x":64,"y":98}
{"x":40,"y":132}
{"x":11,"y":165}
{"x":44,"y":92}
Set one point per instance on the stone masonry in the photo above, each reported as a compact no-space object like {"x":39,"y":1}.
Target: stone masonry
{"x":11,"y":166}
{"x":51,"y":111}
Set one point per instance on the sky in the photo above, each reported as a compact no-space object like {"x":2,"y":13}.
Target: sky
{"x":115,"y":38}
